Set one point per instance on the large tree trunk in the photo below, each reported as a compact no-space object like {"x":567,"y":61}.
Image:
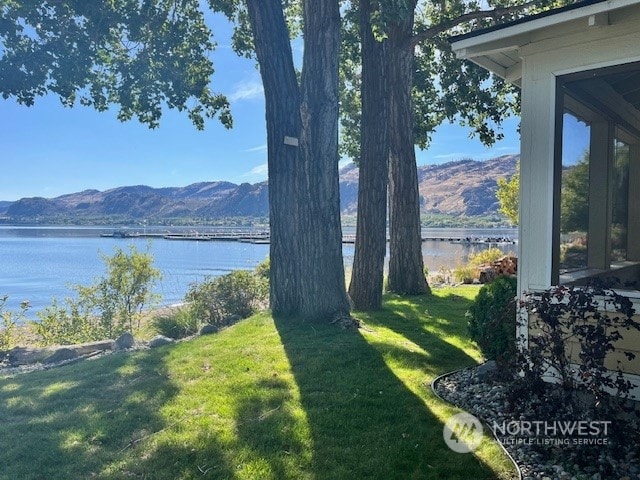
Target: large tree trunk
{"x":406,"y":266}
{"x":307,"y":272}
{"x":282,"y":98}
{"x":371,"y":230}
{"x":323,"y":282}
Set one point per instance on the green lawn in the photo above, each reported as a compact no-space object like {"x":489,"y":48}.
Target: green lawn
{"x":266,"y":398}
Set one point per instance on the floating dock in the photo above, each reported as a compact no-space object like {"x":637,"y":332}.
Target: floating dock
{"x":262,"y":237}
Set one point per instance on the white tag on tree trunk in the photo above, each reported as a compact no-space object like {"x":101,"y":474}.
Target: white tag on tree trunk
{"x":292,"y":141}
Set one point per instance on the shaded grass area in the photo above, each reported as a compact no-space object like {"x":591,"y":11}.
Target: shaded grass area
{"x":263,"y":399}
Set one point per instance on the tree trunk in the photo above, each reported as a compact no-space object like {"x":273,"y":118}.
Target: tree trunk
{"x":406,"y":266}
{"x":371,"y":230}
{"x":282,"y":98}
{"x":307,"y":272}
{"x":323,"y":284}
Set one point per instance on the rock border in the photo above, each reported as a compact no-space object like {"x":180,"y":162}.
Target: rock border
{"x":28,"y":359}
{"x":434,"y":389}
{"x":484,"y":397}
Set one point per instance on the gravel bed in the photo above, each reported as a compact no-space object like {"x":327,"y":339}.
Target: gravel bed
{"x":541,"y":457}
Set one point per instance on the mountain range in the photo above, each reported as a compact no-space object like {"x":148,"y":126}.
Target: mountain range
{"x":463,"y":188}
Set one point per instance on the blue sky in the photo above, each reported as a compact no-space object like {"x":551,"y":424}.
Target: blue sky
{"x":49,"y":150}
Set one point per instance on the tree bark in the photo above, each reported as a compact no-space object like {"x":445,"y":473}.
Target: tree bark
{"x":282,"y":99}
{"x":406,"y":266}
{"x":307,"y":272}
{"x":323,"y":283}
{"x":367,"y":276}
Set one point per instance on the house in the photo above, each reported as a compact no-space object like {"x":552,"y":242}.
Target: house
{"x":578,"y":68}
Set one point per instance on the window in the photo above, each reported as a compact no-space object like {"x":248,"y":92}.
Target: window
{"x":574,"y":194}
{"x":597,"y":224}
{"x":620,"y":201}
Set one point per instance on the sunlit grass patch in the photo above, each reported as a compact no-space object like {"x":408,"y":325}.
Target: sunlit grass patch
{"x":262,"y":399}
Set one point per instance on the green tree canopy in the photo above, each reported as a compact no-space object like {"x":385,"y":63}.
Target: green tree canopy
{"x":508,"y":195}
{"x":140,"y":56}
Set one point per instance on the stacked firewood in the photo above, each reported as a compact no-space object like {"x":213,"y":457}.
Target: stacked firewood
{"x":507,"y":265}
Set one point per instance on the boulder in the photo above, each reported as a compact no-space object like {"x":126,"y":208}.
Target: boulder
{"x":487,"y":275}
{"x":92,"y":347}
{"x":160,"y":340}
{"x":207,"y":329}
{"x":231,"y":319}
{"x":25,"y":356}
{"x":485,"y":370}
{"x":124,"y":342}
{"x":61,"y":355}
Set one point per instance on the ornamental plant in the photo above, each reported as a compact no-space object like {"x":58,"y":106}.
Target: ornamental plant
{"x":492,"y":320}
{"x":572,"y":330}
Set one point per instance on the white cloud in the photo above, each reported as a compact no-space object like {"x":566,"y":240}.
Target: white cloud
{"x":344,"y":162}
{"x":257,"y":173}
{"x":451,"y":156}
{"x":259,"y":148}
{"x":247,"y":89}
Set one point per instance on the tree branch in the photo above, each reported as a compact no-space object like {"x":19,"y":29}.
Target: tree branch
{"x":496,"y":13}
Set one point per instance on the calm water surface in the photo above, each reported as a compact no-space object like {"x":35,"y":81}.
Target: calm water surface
{"x":41,"y":263}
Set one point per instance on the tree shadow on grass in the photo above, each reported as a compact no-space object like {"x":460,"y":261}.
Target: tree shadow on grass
{"x":74,"y":421}
{"x":334,"y":407}
{"x":364,"y":421}
{"x":427,"y":322}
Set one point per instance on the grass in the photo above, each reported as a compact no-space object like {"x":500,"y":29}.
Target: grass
{"x":279,"y":399}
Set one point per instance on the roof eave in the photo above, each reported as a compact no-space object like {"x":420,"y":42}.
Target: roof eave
{"x":478,"y":46}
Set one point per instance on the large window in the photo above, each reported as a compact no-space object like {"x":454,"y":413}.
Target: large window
{"x":597,"y":226}
{"x":620,"y":201}
{"x":574,"y":194}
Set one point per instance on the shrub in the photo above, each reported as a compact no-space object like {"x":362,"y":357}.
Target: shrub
{"x":68,"y":324}
{"x":484,"y":257}
{"x":238,"y":293}
{"x":263,"y":269}
{"x":9,"y":326}
{"x":592,"y":316}
{"x":492,"y":319}
{"x":120,"y":296}
{"x":440,"y":276}
{"x":464,"y":274}
{"x":105,"y":309}
{"x":179,"y":323}
{"x":560,"y":319}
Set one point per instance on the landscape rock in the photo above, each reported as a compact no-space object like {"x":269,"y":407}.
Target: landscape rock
{"x":160,"y":340}
{"x":207,"y":329}
{"x":231,"y":319}
{"x":25,"y":356}
{"x":489,"y":400}
{"x":92,"y":347}
{"x":61,"y":355}
{"x":28,"y":356}
{"x":486,"y":369}
{"x":124,"y":342}
{"x":487,"y":275}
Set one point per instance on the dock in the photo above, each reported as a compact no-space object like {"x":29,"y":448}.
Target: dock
{"x":247,"y":237}
{"x":262,"y":237}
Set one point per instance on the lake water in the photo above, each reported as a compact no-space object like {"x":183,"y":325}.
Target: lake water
{"x":41,"y":263}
